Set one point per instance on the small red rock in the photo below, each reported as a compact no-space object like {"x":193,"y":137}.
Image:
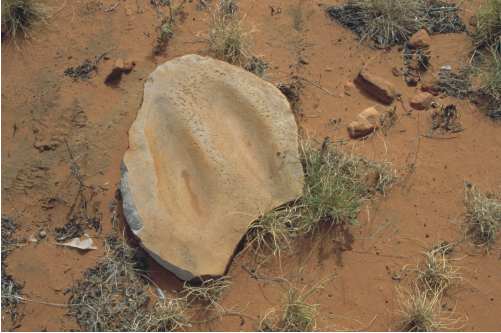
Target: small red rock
{"x":420,"y":39}
{"x":421,"y":101}
{"x":376,"y":87}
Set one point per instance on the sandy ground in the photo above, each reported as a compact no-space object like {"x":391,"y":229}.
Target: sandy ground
{"x":51,"y":122}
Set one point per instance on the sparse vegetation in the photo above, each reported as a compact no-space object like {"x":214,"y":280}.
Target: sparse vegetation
{"x":19,"y":15}
{"x":207,"y":291}
{"x":416,"y":62}
{"x":292,"y":91}
{"x":456,"y":84}
{"x":274,"y":230}
{"x":336,"y":185}
{"x":483,"y":215}
{"x":166,"y":28}
{"x":11,"y":289}
{"x":488,"y":26}
{"x":298,"y":16}
{"x":114,"y":296}
{"x":491,"y":85}
{"x":256,"y":65}
{"x":446,"y":119}
{"x":388,"y":120}
{"x":296,"y":314}
{"x":227,"y":39}
{"x":421,"y":312}
{"x":391,"y":22}
{"x":437,"y":274}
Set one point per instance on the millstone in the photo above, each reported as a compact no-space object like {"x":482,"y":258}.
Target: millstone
{"x":213,"y":147}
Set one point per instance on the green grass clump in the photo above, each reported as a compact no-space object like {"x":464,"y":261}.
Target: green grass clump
{"x":483,"y":215}
{"x":488,"y":26}
{"x":19,"y":15}
{"x":336,"y":186}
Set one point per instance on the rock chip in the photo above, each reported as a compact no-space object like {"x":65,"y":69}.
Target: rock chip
{"x":367,"y":122}
{"x":213,"y":147}
{"x":420,"y":39}
{"x":375,"y":86}
{"x":421,"y":101}
{"x":349,"y":88}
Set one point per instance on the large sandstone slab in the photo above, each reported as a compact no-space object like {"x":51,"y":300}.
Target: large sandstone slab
{"x":213,"y":148}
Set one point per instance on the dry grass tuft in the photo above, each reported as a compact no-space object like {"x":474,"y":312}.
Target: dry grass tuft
{"x":115,"y":296}
{"x":437,"y":274}
{"x":296,"y":314}
{"x":208,"y":292}
{"x":421,"y":312}
{"x":19,"y":15}
{"x":227,"y":39}
{"x":273,"y":231}
{"x":488,"y":27}
{"x":483,"y":215}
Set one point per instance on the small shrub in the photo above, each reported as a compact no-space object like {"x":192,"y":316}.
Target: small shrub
{"x":483,"y":215}
{"x":19,"y":15}
{"x":488,"y":27}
